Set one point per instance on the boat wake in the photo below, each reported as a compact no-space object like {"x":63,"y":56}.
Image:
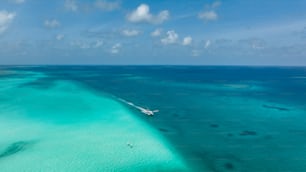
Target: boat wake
{"x":142,"y":110}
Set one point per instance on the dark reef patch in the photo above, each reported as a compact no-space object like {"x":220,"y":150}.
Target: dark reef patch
{"x":14,"y":148}
{"x":219,"y":162}
{"x":248,"y":133}
{"x":230,"y":135}
{"x":229,"y":166}
{"x":164,"y":130}
{"x":214,"y":125}
{"x":228,"y":163}
{"x":275,"y":107}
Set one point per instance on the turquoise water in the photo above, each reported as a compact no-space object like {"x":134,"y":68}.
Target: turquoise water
{"x":67,"y":127}
{"x":220,"y":119}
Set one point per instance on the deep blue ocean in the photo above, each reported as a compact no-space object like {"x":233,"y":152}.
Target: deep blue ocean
{"x":219,"y":118}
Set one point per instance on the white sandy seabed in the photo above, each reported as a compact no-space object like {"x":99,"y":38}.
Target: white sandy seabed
{"x":66,"y":128}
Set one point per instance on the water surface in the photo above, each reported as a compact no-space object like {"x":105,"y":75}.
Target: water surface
{"x":210,"y":118}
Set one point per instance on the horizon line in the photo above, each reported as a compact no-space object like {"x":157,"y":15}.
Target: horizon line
{"x":182,"y":65}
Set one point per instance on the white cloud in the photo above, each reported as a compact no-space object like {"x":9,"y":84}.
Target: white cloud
{"x":208,"y":15}
{"x":207,"y":44}
{"x":5,"y":19}
{"x":187,"y":40}
{"x":171,"y":38}
{"x":98,"y":44}
{"x":71,"y":5}
{"x":59,"y":37}
{"x":161,"y":17}
{"x":116,"y":48}
{"x":106,"y":5}
{"x":130,"y":33}
{"x":156,"y":33}
{"x":17,"y":1}
{"x":142,"y":14}
{"x":51,"y":23}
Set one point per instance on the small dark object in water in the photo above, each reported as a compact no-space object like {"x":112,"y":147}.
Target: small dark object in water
{"x":248,"y":133}
{"x":214,"y":125}
{"x":164,"y":130}
{"x":275,"y":107}
{"x":226,"y":163}
{"x":130,"y":145}
{"x":229,"y":166}
{"x":230,"y":135}
{"x":14,"y":148}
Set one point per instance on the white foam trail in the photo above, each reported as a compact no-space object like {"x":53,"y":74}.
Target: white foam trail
{"x":143,"y":110}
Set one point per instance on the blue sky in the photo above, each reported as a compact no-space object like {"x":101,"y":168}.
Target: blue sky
{"x":199,"y":32}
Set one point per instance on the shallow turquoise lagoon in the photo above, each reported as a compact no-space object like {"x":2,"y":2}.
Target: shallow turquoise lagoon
{"x":67,"y":127}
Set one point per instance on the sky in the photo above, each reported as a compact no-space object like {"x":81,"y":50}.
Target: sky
{"x":153,"y":32}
